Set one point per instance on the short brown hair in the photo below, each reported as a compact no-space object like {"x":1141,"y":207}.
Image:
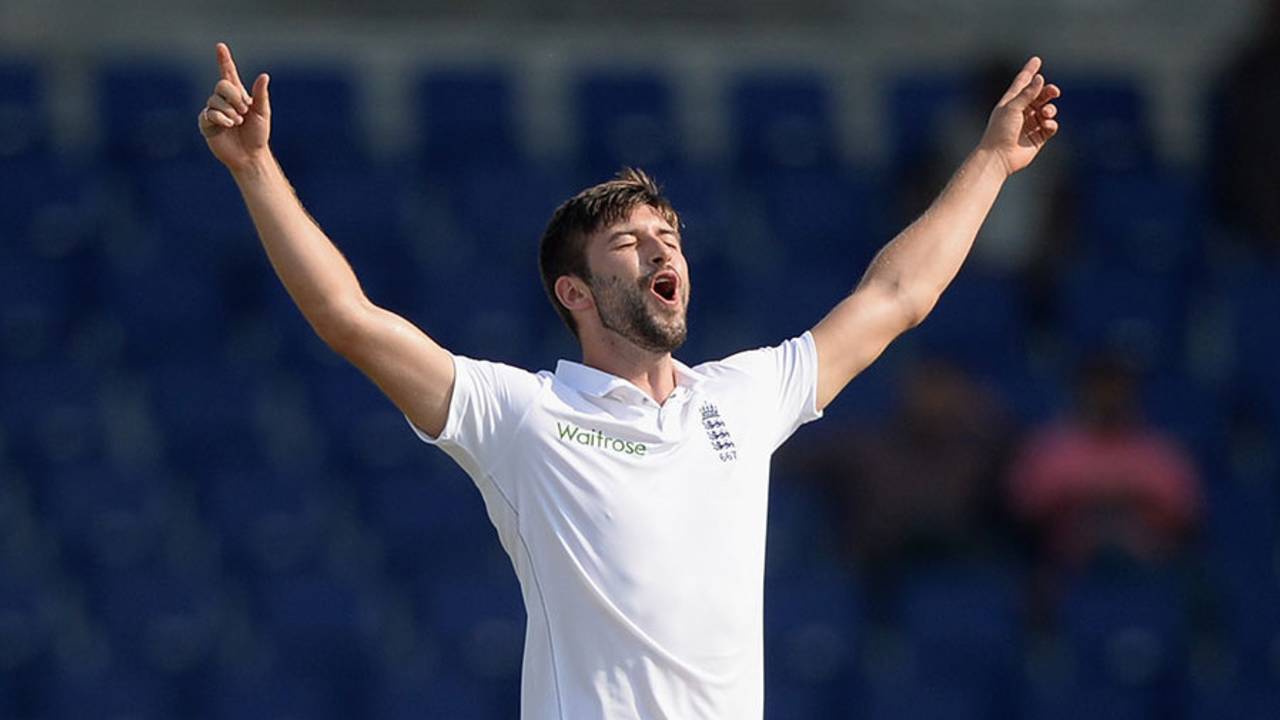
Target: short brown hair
{"x":562,"y":250}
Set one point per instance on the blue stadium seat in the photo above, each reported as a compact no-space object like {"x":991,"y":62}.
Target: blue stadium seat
{"x":870,"y":397}
{"x":1233,"y":701}
{"x":442,"y":692}
{"x":365,"y":215}
{"x":49,"y":209}
{"x":194,"y":266}
{"x":480,"y":623}
{"x":1185,"y":406}
{"x":318,"y":605}
{"x":9,"y":695}
{"x":269,"y":694}
{"x":782,"y":120}
{"x":979,"y":323}
{"x":826,"y":226}
{"x":112,"y":690}
{"x":204,"y":411}
{"x":196,"y":209}
{"x":27,"y":632}
{"x":502,"y":213}
{"x":1110,"y":127}
{"x":33,"y":400}
{"x":626,"y":117}
{"x":1070,"y":701}
{"x":269,"y":524}
{"x":811,"y":638}
{"x":802,"y":540}
{"x":827,"y":216}
{"x":25,"y":128}
{"x":430,"y":519}
{"x":467,"y":118}
{"x":162,"y":100}
{"x":1150,"y":222}
{"x":1249,"y":293}
{"x":37,"y":304}
{"x":899,"y":698}
{"x":1107,"y":307}
{"x":367,"y":434}
{"x":315,"y":121}
{"x":916,"y":108}
{"x":1240,"y":536}
{"x":1128,"y":634}
{"x":167,"y":313}
{"x":506,"y":210}
{"x":790,"y":701}
{"x":703,"y":198}
{"x":964,"y":623}
{"x":170,"y":620}
{"x":106,"y":519}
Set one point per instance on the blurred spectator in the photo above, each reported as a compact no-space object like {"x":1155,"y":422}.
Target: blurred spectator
{"x":922,"y":486}
{"x":1244,"y":160}
{"x":1101,"y":484}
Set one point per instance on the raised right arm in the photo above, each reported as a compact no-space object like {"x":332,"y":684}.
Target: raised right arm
{"x":414,"y":372}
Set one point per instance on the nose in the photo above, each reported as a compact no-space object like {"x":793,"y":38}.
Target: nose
{"x":660,"y":253}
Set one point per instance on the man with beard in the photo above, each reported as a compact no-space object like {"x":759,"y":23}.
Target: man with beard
{"x":628,"y":489}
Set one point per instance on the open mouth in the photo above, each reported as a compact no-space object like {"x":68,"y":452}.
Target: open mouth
{"x":666,"y":285}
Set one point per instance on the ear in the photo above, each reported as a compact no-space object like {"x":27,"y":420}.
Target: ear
{"x":573,"y":293}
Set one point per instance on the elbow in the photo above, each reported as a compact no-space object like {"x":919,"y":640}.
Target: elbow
{"x":908,"y":304}
{"x":341,"y":325}
{"x":915,"y":307}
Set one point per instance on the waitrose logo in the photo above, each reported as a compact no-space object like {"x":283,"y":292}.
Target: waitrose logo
{"x":597,"y":439}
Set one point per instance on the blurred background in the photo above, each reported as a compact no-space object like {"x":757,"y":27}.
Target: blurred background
{"x":1057,"y":498}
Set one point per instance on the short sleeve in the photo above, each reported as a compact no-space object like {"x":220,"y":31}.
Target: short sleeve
{"x":489,"y":401}
{"x":783,"y":383}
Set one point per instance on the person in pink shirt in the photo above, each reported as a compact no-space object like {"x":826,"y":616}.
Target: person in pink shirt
{"x":1102,"y":483}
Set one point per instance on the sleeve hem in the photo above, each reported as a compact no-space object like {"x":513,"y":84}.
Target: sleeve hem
{"x":811,"y":410}
{"x":451,"y":418}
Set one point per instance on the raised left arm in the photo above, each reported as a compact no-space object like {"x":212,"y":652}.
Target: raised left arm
{"x":908,"y":275}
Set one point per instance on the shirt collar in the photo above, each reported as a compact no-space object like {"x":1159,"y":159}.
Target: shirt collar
{"x":598,"y":383}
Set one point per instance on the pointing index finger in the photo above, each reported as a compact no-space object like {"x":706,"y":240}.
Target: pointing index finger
{"x":1024,"y":77}
{"x":227,"y":66}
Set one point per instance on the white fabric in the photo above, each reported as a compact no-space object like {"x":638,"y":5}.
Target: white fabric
{"x":637,"y":530}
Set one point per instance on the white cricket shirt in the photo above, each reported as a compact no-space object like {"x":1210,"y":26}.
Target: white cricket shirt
{"x":637,"y":530}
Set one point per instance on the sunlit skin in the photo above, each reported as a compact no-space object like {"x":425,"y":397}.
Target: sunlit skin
{"x":625,"y":328}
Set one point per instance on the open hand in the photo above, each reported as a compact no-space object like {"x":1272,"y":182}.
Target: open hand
{"x":1024,"y":119}
{"x":235,"y":123}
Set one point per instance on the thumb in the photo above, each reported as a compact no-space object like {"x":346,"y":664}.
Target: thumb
{"x":261,"y":96}
{"x":1024,"y":99}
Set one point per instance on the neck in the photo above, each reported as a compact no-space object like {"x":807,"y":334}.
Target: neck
{"x":654,"y":373}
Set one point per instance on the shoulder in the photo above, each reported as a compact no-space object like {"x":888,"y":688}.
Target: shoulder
{"x":760,"y":360}
{"x":498,"y":379}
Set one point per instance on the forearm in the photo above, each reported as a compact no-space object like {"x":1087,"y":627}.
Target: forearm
{"x":923,"y":259}
{"x":317,"y":276}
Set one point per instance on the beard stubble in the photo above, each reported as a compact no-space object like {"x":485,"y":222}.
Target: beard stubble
{"x":623,"y":309}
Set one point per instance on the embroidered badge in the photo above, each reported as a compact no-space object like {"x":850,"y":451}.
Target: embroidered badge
{"x":717,"y":433}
